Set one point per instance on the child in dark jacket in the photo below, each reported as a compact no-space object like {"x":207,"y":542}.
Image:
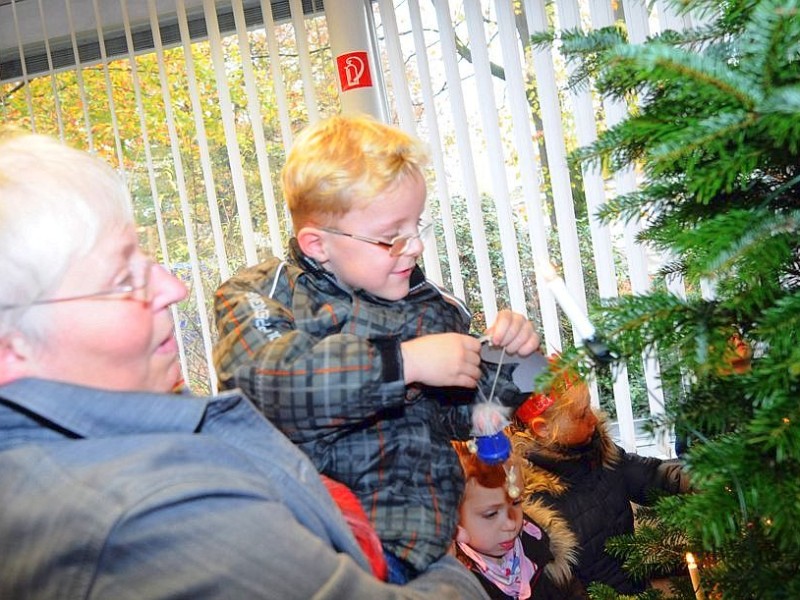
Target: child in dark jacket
{"x":574,"y":467}
{"x":345,"y":345}
{"x":510,"y":553}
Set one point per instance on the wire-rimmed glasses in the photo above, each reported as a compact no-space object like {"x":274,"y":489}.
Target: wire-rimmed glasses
{"x":396,"y":247}
{"x":133,"y":287}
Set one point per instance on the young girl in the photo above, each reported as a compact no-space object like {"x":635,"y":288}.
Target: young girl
{"x":510,"y":554}
{"x":574,"y":467}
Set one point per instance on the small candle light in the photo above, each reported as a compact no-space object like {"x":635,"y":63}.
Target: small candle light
{"x":694,"y":575}
{"x":583,"y":326}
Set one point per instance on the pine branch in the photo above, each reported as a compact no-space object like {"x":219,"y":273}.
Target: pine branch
{"x":598,"y":591}
{"x":632,"y":68}
{"x":714,"y":126}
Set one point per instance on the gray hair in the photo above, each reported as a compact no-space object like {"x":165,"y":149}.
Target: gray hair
{"x":54,"y":202}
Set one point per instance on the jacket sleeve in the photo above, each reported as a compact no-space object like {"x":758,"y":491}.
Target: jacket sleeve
{"x":458,"y":403}
{"x":246,"y":547}
{"x":182,"y":517}
{"x":645,"y":476}
{"x":306,"y":383}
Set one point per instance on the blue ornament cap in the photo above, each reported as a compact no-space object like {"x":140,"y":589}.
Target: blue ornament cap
{"x":493,"y":449}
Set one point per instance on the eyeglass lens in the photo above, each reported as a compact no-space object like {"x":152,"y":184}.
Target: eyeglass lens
{"x":401,"y":243}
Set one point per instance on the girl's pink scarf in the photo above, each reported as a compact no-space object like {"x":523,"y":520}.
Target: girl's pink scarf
{"x":513,"y":574}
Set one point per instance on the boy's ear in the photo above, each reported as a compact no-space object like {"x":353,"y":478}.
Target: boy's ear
{"x":312,"y":243}
{"x":16,"y":356}
{"x":461,"y":535}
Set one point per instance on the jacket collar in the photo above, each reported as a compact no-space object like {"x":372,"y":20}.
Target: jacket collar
{"x":90,"y":412}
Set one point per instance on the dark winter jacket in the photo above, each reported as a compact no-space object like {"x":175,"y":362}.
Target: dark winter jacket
{"x":323,"y":363}
{"x":592,"y":488}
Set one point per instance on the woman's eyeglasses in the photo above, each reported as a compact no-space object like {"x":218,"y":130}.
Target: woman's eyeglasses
{"x":133,"y":287}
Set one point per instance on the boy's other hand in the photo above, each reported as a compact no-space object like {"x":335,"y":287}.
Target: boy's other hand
{"x":514,"y":332}
{"x":442,"y":360}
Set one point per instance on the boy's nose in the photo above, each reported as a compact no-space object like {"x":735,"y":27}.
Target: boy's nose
{"x":415,"y":246}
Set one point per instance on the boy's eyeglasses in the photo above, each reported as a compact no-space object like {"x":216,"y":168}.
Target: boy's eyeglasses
{"x":397,"y":247}
{"x":133,"y":287}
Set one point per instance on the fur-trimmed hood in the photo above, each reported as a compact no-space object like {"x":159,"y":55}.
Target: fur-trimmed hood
{"x":601,"y":450}
{"x":562,"y":541}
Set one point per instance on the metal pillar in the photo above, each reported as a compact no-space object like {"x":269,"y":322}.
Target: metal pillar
{"x":352,"y":38}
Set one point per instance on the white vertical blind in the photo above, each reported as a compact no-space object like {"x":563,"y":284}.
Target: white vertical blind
{"x":405,"y":111}
{"x":209,"y":188}
{"x":78,"y":75}
{"x":638,"y":16}
{"x":180,"y":181}
{"x":594,"y":189}
{"x":53,"y":85}
{"x":231,"y":141}
{"x":547,"y":89}
{"x":462,"y":76}
{"x":109,"y":90}
{"x":254,"y":110}
{"x":593,"y":184}
{"x":432,"y":124}
{"x":305,"y":61}
{"x":466,"y":159}
{"x":23,"y":65}
{"x":277,"y":77}
{"x":488,"y":112}
{"x":529,"y":165}
{"x":162,"y":236}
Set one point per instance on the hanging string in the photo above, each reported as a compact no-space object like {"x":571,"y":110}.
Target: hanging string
{"x":489,"y":418}
{"x":497,"y":374}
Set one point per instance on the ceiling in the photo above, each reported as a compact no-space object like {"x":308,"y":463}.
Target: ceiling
{"x":24,"y":16}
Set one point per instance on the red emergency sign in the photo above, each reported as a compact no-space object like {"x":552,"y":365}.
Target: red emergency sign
{"x":354,"y":70}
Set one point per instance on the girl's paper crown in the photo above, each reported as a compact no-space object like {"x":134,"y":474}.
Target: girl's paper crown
{"x":534,"y":406}
{"x":537,"y":403}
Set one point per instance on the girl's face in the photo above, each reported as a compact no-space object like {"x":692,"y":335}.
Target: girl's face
{"x":490,"y":521}
{"x":576,"y":425}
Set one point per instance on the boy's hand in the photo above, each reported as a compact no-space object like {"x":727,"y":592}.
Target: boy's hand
{"x":442,"y":359}
{"x":513,"y":332}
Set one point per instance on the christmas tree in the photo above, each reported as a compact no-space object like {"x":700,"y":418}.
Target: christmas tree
{"x":714,"y":130}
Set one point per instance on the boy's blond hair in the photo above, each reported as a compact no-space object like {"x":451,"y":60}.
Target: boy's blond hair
{"x":343,"y":162}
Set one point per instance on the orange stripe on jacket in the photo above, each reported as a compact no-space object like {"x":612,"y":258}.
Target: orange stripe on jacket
{"x":237,"y":327}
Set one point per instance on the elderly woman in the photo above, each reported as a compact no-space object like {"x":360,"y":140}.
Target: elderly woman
{"x":112,"y":488}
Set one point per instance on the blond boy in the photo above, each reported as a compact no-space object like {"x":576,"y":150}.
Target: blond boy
{"x":345,"y":345}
